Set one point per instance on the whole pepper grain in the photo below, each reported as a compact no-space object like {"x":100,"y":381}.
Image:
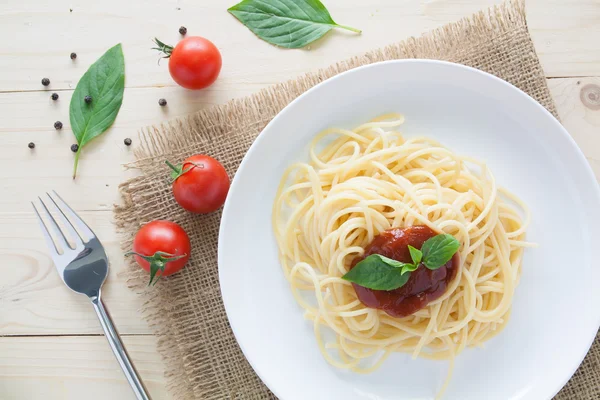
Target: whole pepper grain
{"x":87,"y":99}
{"x":73,"y":56}
{"x":45,"y":81}
{"x":182,"y":30}
{"x":54,"y":96}
{"x":74,"y":147}
{"x":127,"y":142}
{"x":58,"y":125}
{"x":31,"y":145}
{"x":162,"y":102}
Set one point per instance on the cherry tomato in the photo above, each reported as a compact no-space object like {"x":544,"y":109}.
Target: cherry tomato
{"x":195,"y":63}
{"x":161,"y":248}
{"x":201,"y":184}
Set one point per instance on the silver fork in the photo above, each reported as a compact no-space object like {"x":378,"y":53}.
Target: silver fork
{"x":83,"y":267}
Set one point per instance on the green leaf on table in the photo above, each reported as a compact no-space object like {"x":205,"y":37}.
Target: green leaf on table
{"x":378,"y":273}
{"x":104,"y":81}
{"x":438,"y":250}
{"x":287,"y":23}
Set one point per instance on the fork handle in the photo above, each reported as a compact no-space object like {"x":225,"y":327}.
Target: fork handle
{"x":119,"y":350}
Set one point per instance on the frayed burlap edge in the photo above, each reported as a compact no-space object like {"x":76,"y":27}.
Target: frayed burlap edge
{"x":450,"y":42}
{"x":468,"y":41}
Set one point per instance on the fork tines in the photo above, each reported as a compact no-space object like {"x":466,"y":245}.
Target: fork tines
{"x":73,"y":224}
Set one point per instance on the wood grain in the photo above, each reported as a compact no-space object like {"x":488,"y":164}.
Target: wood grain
{"x":580,"y":114}
{"x":34,"y":299}
{"x":41,"y":35}
{"x":75,"y":368}
{"x":49,"y":165}
{"x":101,"y":167}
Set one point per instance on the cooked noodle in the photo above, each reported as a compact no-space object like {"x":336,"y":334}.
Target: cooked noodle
{"x":371,"y":179}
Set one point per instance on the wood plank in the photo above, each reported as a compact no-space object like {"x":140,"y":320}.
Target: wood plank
{"x":75,"y":368}
{"x":25,"y":173}
{"x":49,"y":165}
{"x":39,"y":38}
{"x":34,"y":299}
{"x":578,"y":105}
{"x":41,"y":35}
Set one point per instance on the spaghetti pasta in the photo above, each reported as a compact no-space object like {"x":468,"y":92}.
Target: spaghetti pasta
{"x":370,"y":179}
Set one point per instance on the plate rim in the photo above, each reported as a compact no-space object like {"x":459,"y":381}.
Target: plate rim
{"x":587,"y":170}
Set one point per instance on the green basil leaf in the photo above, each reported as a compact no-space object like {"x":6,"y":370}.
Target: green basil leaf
{"x":378,"y":273}
{"x":409,"y":268}
{"x":438,"y":250}
{"x":389,"y":261}
{"x":104,"y":81}
{"x":287,"y":23}
{"x":415,"y":254}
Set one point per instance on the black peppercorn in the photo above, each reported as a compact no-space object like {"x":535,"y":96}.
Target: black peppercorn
{"x":54,"y":96}
{"x":88,"y":99}
{"x":73,"y":56}
{"x":31,"y":145}
{"x":45,"y":81}
{"x":74,"y":148}
{"x":127,"y":142}
{"x":162,"y":102}
{"x":183,"y":30}
{"x":58,"y":125}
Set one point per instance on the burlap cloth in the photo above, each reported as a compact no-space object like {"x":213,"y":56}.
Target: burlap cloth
{"x":203,"y":360}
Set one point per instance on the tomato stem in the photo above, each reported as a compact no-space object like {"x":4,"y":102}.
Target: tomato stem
{"x":178,"y":169}
{"x":175,"y":168}
{"x":163,"y":48}
{"x":157,"y":262}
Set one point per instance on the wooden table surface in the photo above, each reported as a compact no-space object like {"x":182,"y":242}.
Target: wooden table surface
{"x":51,"y":345}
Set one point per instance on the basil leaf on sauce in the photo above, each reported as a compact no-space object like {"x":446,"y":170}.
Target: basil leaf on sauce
{"x":378,"y":273}
{"x":438,"y":250}
{"x":409,"y":268}
{"x":104,"y":81}
{"x":287,"y":23}
{"x":415,"y":254}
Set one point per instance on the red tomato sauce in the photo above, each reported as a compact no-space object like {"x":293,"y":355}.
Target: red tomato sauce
{"x":423,"y":286}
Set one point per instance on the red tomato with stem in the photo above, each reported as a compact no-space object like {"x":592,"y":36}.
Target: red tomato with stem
{"x":200,"y":184}
{"x":194,"y":63}
{"x":161,"y":248}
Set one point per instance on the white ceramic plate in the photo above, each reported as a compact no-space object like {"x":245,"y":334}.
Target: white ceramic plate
{"x":556,"y":310}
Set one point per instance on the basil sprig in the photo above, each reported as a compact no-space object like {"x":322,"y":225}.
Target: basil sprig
{"x":287,"y":23}
{"x":378,"y":272}
{"x":103,"y":85}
